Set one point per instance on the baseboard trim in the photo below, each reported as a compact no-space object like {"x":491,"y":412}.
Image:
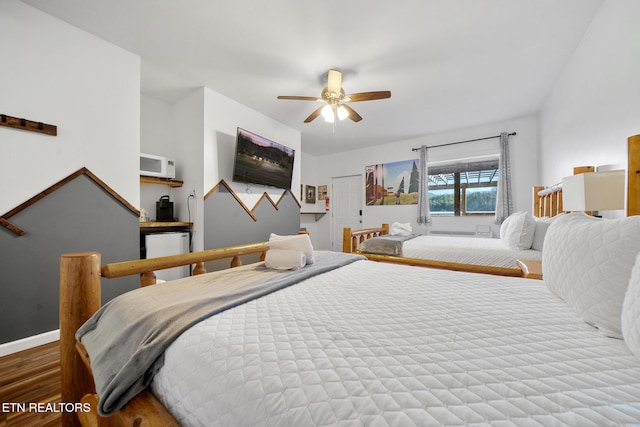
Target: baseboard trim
{"x":29,"y":342}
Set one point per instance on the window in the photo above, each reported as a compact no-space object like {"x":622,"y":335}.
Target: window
{"x":463,"y":188}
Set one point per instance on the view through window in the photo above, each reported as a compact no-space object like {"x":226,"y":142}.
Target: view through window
{"x":463,"y":188}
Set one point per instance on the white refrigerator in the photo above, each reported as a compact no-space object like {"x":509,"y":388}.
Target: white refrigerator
{"x":164,"y":244}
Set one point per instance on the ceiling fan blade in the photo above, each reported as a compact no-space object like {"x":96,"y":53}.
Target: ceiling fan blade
{"x":313,"y":115}
{"x":334,"y":82}
{"x":367,"y":96}
{"x":301,"y":98}
{"x":352,"y":113}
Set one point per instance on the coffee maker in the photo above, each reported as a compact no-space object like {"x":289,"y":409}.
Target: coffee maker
{"x":164,"y":210}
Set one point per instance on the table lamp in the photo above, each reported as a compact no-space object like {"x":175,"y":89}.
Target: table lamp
{"x":593,"y":191}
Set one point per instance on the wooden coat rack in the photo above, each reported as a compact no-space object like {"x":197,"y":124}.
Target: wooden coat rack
{"x":30,"y":125}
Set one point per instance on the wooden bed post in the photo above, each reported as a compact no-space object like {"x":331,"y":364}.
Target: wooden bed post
{"x":346,"y":240}
{"x":147,"y":278}
{"x":560,"y":207}
{"x":535,"y":202}
{"x":199,"y":268}
{"x":633,"y":176}
{"x":79,"y":299}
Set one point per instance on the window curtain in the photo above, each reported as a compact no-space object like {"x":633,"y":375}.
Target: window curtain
{"x":504,"y":200}
{"x":424,"y":216}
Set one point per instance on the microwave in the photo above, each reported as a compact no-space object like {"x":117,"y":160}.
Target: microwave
{"x":152,"y":165}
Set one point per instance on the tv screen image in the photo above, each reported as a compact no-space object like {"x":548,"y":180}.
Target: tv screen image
{"x":262,"y":161}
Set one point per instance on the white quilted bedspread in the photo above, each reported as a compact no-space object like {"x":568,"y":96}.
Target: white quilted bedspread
{"x":376,"y":344}
{"x":466,"y":250}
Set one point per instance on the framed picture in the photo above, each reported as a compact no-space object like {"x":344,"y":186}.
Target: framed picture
{"x":393,"y":183}
{"x":310,"y":194}
{"x":322,"y":192}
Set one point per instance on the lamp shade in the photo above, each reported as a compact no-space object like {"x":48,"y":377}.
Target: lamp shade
{"x":593,"y":191}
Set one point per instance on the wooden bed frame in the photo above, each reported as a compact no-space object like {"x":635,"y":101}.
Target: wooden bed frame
{"x":80,"y":275}
{"x":352,"y":238}
{"x":546,"y":201}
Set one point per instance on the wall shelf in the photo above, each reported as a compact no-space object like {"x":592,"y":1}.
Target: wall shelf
{"x":156,"y":180}
{"x":159,"y":227}
{"x":317,"y":215}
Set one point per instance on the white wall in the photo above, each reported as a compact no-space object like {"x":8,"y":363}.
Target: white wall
{"x":188,"y":151}
{"x":201,"y":136}
{"x":90,"y":89}
{"x":523,"y":151}
{"x":595,"y":104}
{"x":157,"y":137}
{"x":309,"y":176}
{"x":222,"y":118}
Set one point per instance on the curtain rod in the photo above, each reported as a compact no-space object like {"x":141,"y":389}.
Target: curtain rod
{"x":468,"y":140}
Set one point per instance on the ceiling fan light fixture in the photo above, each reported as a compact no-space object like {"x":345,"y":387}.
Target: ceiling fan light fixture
{"x":333,"y":94}
{"x":342,"y":112}
{"x":327,"y":113}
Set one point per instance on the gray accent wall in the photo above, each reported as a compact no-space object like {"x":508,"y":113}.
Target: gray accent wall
{"x":226,"y":223}
{"x":77,"y":217}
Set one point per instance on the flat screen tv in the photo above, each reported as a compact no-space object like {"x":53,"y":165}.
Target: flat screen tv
{"x":261,"y":161}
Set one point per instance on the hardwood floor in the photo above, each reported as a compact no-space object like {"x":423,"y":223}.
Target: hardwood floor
{"x":30,"y":376}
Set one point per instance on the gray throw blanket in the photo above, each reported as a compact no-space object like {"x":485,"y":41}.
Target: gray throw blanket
{"x":126,"y":338}
{"x":385,"y":245}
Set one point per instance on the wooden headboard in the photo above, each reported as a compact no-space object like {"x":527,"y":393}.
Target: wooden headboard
{"x":352,"y":238}
{"x":547,"y":201}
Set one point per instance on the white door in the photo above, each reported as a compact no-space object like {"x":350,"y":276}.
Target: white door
{"x":346,"y":207}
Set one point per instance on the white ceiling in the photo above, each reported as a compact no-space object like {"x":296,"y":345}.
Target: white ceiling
{"x":449,"y":64}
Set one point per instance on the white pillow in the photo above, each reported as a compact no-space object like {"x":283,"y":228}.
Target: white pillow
{"x":296,"y":242}
{"x":542,"y":224}
{"x":400,"y":229}
{"x":504,"y":228}
{"x":539,"y":233}
{"x":587,"y":262}
{"x":631,"y":311}
{"x":516,"y":232}
{"x":285,"y":259}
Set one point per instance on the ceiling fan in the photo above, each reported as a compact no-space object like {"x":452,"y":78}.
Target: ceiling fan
{"x":334,"y":96}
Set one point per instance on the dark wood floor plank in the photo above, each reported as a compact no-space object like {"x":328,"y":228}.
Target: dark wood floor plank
{"x":31,"y":376}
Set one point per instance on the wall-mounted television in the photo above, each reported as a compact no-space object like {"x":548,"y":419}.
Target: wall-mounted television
{"x":259,"y":160}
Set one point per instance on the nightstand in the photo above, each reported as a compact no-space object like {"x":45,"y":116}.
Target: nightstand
{"x":530,"y":269}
